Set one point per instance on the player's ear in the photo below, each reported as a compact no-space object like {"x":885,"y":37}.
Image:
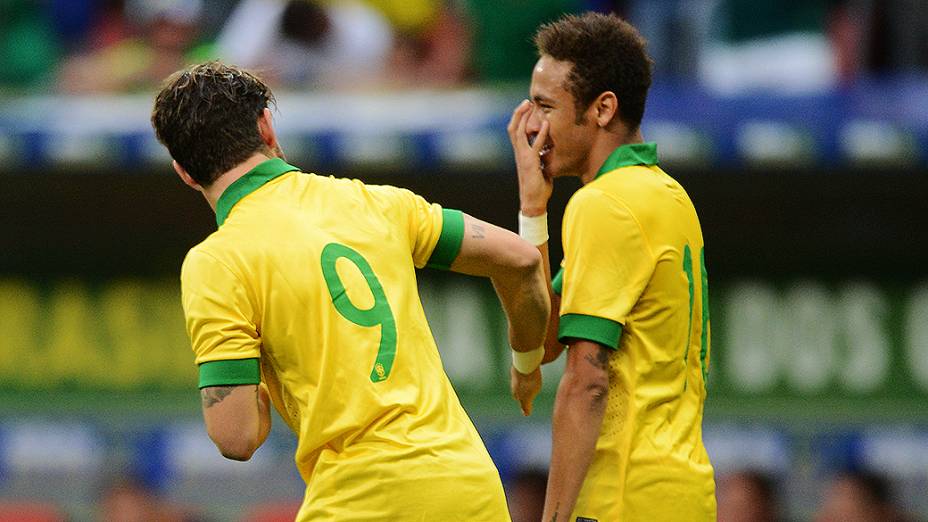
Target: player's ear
{"x":266,"y":130}
{"x":606,"y":108}
{"x":185,"y":176}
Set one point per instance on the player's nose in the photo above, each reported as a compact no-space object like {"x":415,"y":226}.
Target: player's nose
{"x":533,"y":125}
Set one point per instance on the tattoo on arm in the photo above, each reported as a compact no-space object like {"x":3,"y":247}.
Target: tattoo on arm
{"x":477,"y":231}
{"x":599,"y":391}
{"x":556,"y":509}
{"x":601,"y":360}
{"x":214,"y":394}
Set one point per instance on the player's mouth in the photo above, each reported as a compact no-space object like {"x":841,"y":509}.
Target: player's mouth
{"x":544,"y":156}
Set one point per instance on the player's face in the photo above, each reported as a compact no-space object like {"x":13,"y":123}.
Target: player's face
{"x":568,"y":144}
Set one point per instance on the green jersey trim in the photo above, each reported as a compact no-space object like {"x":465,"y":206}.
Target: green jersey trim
{"x":557,"y":282}
{"x":630,"y":155}
{"x":250,"y":182}
{"x":450,"y":240}
{"x":230,"y":372}
{"x":591,"y":328}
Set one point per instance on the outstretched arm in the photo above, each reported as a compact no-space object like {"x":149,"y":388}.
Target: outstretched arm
{"x":238,"y":418}
{"x":515,"y":269}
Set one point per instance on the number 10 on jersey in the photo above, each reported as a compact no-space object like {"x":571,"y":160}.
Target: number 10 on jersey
{"x":704,"y":338}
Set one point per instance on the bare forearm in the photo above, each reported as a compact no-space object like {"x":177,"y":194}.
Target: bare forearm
{"x":526,"y":304}
{"x":578,"y":415}
{"x":515,"y":269}
{"x":553,"y":347}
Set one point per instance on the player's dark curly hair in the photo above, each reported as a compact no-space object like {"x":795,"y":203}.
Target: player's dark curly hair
{"x":207,"y":117}
{"x":608,"y":54}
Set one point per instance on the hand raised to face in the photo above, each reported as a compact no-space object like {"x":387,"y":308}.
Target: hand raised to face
{"x":535,"y":187}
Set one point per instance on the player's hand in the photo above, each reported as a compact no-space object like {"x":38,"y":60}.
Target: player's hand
{"x":535,"y":186}
{"x":525,"y":388}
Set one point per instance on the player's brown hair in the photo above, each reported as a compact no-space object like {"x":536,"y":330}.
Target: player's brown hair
{"x":207,"y":117}
{"x":607,"y":53}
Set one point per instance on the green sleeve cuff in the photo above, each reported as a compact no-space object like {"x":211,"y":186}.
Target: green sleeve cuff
{"x":590,"y":328}
{"x":557,"y":282}
{"x":230,"y":373}
{"x":449,"y":243}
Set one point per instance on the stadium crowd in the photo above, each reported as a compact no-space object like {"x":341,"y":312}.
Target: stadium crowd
{"x":744,"y":496}
{"x":106,"y":46}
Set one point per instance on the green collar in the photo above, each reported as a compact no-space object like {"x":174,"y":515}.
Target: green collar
{"x":630,"y":155}
{"x":250,"y":182}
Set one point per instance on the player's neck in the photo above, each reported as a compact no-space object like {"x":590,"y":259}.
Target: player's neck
{"x":229,"y":177}
{"x":603,"y":147}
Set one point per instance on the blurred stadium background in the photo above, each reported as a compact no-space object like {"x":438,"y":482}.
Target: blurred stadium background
{"x":798,"y":127}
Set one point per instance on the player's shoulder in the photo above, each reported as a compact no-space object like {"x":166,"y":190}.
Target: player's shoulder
{"x":593,"y":198}
{"x":389,"y":199}
{"x":388,"y":191}
{"x":640,"y":188}
{"x":198,"y":254}
{"x":209,"y":254}
{"x":350,"y":187}
{"x":631,"y":177}
{"x":346,"y":185}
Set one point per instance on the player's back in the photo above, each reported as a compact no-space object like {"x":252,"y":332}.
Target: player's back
{"x":328,"y":267}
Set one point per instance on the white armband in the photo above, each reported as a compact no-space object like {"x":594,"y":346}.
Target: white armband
{"x":527,"y":362}
{"x":534,"y":229}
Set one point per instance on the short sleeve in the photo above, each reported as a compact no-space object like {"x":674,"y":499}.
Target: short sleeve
{"x":607,"y":266}
{"x":220,"y":322}
{"x":435,"y":234}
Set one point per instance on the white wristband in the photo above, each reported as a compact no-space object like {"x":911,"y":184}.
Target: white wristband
{"x":534,"y":229}
{"x":527,"y":362}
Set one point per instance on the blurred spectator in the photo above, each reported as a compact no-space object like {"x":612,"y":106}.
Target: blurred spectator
{"x":407,"y":16}
{"x":677,"y":32}
{"x":72,"y":20}
{"x":28,"y":45}
{"x":431,"y":44}
{"x":432,"y":52}
{"x":732,"y":46}
{"x":107,"y":25}
{"x":166,"y":41}
{"x":776,"y":45}
{"x":526,"y":495}
{"x":129,"y":500}
{"x":882,"y":37}
{"x":302,"y":43}
{"x":279,"y":511}
{"x":25,"y":511}
{"x":747,"y":496}
{"x":502,"y":35}
{"x":858,"y":497}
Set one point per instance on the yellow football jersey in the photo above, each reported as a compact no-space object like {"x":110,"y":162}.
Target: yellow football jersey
{"x":312,"y":279}
{"x":634,"y":279}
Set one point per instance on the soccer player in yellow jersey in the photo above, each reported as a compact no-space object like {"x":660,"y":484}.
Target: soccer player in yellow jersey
{"x":305,"y":298}
{"x":630,"y":301}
